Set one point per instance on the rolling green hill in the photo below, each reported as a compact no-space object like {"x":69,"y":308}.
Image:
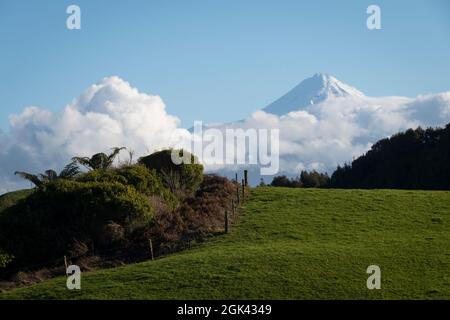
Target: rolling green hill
{"x":8,"y":199}
{"x":295,"y":244}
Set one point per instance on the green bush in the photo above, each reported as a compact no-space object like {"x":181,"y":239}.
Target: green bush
{"x":182,"y":179}
{"x":44,"y":225}
{"x":102,"y":175}
{"x":142,"y":179}
{"x":5,"y":259}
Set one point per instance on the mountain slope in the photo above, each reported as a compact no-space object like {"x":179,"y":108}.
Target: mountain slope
{"x":295,"y":244}
{"x":314,"y":90}
{"x":324,"y":123}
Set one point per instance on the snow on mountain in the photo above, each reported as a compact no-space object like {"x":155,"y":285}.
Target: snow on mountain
{"x":314,"y":90}
{"x":324,"y":122}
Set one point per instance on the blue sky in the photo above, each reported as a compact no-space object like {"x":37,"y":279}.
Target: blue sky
{"x":218,"y":60}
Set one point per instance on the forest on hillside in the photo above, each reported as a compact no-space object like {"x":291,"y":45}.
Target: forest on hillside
{"x":414,"y":159}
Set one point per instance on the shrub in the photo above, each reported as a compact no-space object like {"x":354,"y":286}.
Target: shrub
{"x":198,"y":217}
{"x":314,"y":179}
{"x":142,"y":179}
{"x":111,"y":234}
{"x":5,"y":259}
{"x":77,"y":249}
{"x":102,"y":175}
{"x":44,"y":225}
{"x":306,"y":179}
{"x":283,"y":181}
{"x":182,"y":179}
{"x":209,"y":204}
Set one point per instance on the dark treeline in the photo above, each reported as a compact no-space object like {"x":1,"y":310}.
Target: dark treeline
{"x":306,"y":179}
{"x":414,"y":159}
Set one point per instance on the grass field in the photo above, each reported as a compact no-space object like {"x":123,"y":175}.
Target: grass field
{"x":296,"y":244}
{"x":8,"y":199}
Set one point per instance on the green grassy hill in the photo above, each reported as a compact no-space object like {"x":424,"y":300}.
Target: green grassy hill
{"x":8,"y":199}
{"x":296,"y":244}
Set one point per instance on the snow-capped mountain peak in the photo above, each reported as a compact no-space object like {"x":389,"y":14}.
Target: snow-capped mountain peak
{"x":313,"y":90}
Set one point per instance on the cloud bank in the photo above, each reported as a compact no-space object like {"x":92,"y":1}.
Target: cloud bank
{"x":337,"y":130}
{"x":322,"y":136}
{"x":113,"y":113}
{"x":107,"y":114}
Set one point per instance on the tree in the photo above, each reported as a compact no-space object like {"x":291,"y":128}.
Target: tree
{"x":182,"y":179}
{"x":99,"y":160}
{"x":414,"y":159}
{"x":262,"y":183}
{"x":314,"y":179}
{"x":283,"y":181}
{"x":30,"y":177}
{"x":306,"y":179}
{"x":70,"y":171}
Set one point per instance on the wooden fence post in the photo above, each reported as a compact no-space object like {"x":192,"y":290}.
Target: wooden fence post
{"x":237,"y":193}
{"x":151,"y":247}
{"x":236,"y":178}
{"x":226,"y":221}
{"x":243,"y":191}
{"x":65,"y":264}
{"x":233,"y":208}
{"x":246,"y":177}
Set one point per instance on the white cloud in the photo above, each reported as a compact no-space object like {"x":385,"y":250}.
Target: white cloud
{"x":324,"y":135}
{"x":346,"y":127}
{"x":109,"y":113}
{"x":112,"y":113}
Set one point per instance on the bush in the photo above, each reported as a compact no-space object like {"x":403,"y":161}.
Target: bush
{"x":197,"y":218}
{"x":204,"y":214}
{"x":5,"y":259}
{"x":44,"y":225}
{"x":112,"y":234}
{"x":182,"y":179}
{"x":142,"y":179}
{"x":314,"y":179}
{"x":283,"y":181}
{"x":306,"y":179}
